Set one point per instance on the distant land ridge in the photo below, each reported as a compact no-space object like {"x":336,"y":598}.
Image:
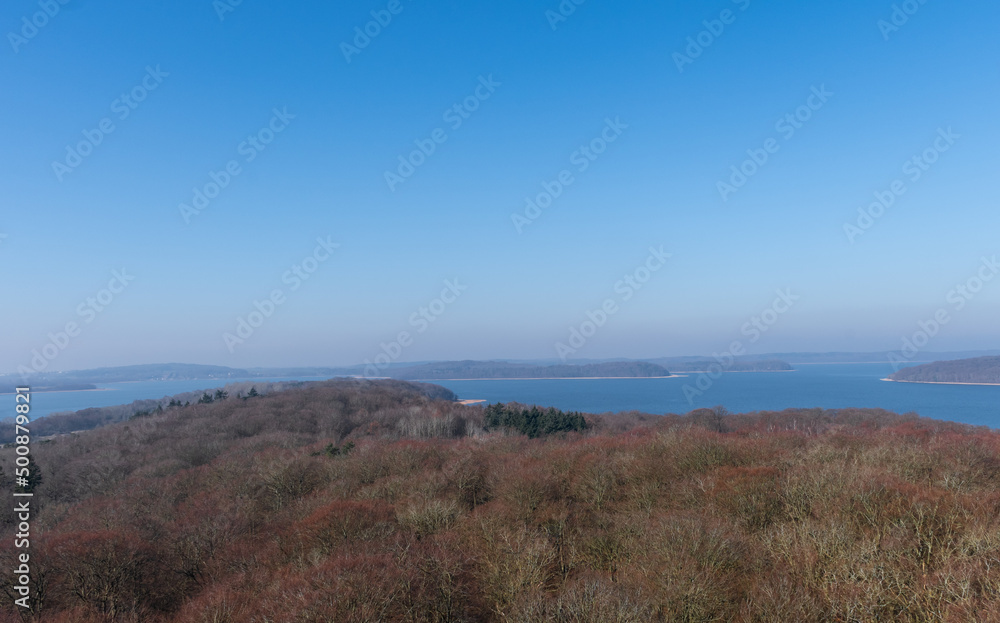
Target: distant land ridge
{"x":504,"y":370}
{"x":688,"y":364}
{"x":977,"y":370}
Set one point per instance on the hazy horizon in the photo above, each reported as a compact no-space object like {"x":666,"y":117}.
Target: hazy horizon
{"x":489,"y":179}
{"x":791,"y":358}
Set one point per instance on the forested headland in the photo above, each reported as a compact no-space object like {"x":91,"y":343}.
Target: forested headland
{"x":739,"y":365}
{"x":977,"y":370}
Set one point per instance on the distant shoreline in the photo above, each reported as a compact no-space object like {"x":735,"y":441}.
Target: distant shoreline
{"x":842,"y":363}
{"x":942,"y":383}
{"x":689,"y":372}
{"x":62,"y":391}
{"x":551,"y":378}
{"x":680,"y":374}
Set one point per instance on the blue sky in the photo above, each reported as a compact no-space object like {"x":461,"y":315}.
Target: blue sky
{"x":555,"y":85}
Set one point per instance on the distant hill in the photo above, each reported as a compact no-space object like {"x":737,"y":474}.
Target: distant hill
{"x":158,"y":371}
{"x":306,"y":371}
{"x":121,"y":374}
{"x":977,"y":370}
{"x":85,"y":379}
{"x":504,"y":370}
{"x":694,"y":364}
{"x":865,"y":357}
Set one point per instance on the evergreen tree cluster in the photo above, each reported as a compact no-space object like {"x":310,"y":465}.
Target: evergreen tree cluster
{"x":533,"y":422}
{"x":332,"y":450}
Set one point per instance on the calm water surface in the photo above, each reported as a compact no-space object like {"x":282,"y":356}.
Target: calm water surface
{"x":828,"y":386}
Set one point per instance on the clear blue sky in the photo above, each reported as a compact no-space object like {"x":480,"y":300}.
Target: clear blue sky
{"x":559,"y":81}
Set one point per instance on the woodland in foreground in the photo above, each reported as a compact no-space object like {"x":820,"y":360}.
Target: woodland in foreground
{"x":356,"y":501}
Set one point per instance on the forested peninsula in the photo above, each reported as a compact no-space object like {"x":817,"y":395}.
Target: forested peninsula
{"x":979,"y":371}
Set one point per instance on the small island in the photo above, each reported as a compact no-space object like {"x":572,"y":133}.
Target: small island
{"x":977,"y":371}
{"x":478,"y":370}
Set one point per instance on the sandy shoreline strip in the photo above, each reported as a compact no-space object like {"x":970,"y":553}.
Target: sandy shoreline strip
{"x":942,"y":383}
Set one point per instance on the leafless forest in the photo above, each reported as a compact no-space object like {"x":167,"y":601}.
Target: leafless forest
{"x":372,"y":501}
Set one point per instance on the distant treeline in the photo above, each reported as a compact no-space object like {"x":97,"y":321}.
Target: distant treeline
{"x":504,"y":370}
{"x":978,"y":370}
{"x":121,"y":374}
{"x":84,"y":379}
{"x":769,"y":365}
